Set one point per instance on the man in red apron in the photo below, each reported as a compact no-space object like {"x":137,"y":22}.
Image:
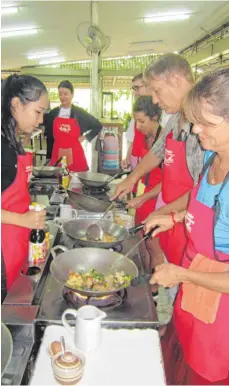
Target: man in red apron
{"x":170,"y":77}
{"x":67,"y":127}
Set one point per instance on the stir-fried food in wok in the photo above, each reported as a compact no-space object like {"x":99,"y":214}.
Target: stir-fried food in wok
{"x":95,"y":281}
{"x":105,"y":238}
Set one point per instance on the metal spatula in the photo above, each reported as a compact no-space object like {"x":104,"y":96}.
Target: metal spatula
{"x":94,"y":231}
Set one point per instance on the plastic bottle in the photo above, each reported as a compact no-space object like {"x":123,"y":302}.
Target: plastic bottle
{"x":65,"y":178}
{"x":37,"y":250}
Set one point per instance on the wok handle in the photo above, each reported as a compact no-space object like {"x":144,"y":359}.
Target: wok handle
{"x":135,"y":229}
{"x":56,"y":163}
{"x":141,"y":279}
{"x":69,"y":311}
{"x":57,"y":247}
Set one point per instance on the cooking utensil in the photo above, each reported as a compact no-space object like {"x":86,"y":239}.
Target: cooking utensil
{"x":141,"y":279}
{"x":76,"y":229}
{"x":62,"y":341}
{"x":6,"y":347}
{"x":78,"y":260}
{"x":87,"y":203}
{"x":98,"y":180}
{"x":147,"y":236}
{"x":94,"y":231}
{"x":47,"y":171}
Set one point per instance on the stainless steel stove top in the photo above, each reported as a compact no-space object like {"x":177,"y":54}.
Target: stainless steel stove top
{"x":138,"y":309}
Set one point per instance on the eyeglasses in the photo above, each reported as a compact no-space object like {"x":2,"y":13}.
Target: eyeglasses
{"x":136,"y":88}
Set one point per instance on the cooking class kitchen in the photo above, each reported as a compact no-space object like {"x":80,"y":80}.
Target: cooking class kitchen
{"x":114,"y":193}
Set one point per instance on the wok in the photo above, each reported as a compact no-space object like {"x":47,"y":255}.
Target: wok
{"x":47,"y":171}
{"x":84,"y":259}
{"x":6,"y":347}
{"x":88,"y":203}
{"x":76,"y":229}
{"x":98,"y":180}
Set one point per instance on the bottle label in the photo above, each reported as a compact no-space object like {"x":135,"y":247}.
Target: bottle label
{"x":47,"y":241}
{"x":37,"y":252}
{"x":65,"y":181}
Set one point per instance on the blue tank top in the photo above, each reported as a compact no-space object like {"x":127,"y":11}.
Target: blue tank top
{"x":206,"y":195}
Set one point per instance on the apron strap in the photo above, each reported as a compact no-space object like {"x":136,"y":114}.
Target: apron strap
{"x":183,"y":136}
{"x":216,"y":206}
{"x":154,"y":141}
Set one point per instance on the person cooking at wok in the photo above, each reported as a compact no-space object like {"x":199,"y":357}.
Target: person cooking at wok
{"x":66,"y":128}
{"x":196,"y":343}
{"x":23,"y":102}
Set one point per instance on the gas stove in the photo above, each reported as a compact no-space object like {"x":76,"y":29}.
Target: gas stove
{"x":106,"y":303}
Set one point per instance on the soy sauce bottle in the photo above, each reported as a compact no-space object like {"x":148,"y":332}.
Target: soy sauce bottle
{"x":37,"y":243}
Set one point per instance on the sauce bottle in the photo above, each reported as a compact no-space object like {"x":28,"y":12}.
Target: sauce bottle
{"x":37,"y":249}
{"x":65,"y":178}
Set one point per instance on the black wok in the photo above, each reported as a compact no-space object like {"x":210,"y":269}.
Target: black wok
{"x":76,"y":229}
{"x":84,"y":259}
{"x":98,"y":180}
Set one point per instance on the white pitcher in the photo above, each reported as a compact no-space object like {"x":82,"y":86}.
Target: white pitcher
{"x":87,"y":332}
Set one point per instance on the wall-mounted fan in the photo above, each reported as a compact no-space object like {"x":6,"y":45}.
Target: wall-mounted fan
{"x":92,"y":38}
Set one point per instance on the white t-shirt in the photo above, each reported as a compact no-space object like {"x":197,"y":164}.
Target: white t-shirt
{"x":65,"y":113}
{"x":164,"y":119}
{"x":130,"y":131}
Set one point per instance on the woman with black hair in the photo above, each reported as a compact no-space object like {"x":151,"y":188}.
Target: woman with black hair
{"x":24,"y":100}
{"x":67,"y":127}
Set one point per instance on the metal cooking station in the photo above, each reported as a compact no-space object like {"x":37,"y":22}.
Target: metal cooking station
{"x":36,"y":300}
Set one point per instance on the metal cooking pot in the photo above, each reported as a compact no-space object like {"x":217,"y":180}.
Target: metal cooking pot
{"x":76,"y":229}
{"x":6,"y":347}
{"x":84,"y":259}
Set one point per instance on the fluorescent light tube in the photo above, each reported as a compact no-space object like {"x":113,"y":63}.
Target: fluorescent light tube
{"x":40,"y":55}
{"x":52,"y":61}
{"x":166,"y":17}
{"x":9,"y":10}
{"x":19,"y":32}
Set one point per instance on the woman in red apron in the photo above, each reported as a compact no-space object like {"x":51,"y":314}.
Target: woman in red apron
{"x":196,"y":343}
{"x":67,"y":127}
{"x":24,"y":100}
{"x":147,"y":131}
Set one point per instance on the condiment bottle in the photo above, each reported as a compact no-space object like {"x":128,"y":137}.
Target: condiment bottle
{"x":37,"y":250}
{"x":65,"y":178}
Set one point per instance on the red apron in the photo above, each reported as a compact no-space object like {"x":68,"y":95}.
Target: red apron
{"x":205,"y":346}
{"x":66,"y":132}
{"x":151,"y":179}
{"x":15,"y":239}
{"x":176,"y":181}
{"x":138,"y":149}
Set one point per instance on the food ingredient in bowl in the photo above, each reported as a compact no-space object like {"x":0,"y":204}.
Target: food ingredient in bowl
{"x":95,"y":281}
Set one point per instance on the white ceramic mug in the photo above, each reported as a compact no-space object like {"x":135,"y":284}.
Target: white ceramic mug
{"x":87,"y":332}
{"x":67,"y":212}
